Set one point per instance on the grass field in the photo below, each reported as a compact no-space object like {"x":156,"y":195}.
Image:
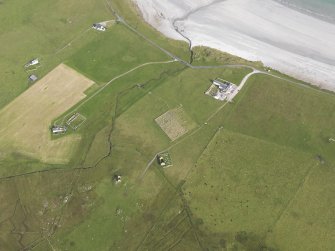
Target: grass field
{"x":112,"y":53}
{"x":264,"y":177}
{"x":42,"y":29}
{"x":175,"y":123}
{"x":25,"y":122}
{"x":248,"y":182}
{"x":129,"y":11}
{"x":256,"y":174}
{"x":292,"y":116}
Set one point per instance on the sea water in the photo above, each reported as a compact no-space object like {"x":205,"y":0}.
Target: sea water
{"x":322,"y":9}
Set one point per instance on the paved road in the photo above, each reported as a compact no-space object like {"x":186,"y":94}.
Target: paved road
{"x":240,"y":86}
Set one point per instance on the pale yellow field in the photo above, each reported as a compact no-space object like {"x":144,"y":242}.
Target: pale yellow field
{"x":25,"y":122}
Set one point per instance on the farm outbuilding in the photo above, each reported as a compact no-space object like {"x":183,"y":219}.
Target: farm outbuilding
{"x":117,"y":178}
{"x":161,"y":161}
{"x":164,"y":159}
{"x":222,"y":85}
{"x":221,"y":89}
{"x":99,"y":27}
{"x":32,"y":62}
{"x":32,"y":78}
{"x":58,"y":129}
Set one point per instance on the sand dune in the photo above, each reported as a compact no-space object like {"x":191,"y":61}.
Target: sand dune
{"x":294,"y":43}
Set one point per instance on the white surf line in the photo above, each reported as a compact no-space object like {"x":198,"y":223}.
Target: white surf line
{"x":111,"y":81}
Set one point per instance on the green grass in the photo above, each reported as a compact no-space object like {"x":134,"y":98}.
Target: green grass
{"x":96,"y":231}
{"x":128,"y":11}
{"x":138,"y":137}
{"x":308,"y":222}
{"x":103,"y":108}
{"x":17,"y":163}
{"x":208,"y":56}
{"x":166,"y":158}
{"x":293,"y":116}
{"x":248,"y":182}
{"x":112,"y":53}
{"x":254,"y":134}
{"x":39,"y":29}
{"x":258,"y":173}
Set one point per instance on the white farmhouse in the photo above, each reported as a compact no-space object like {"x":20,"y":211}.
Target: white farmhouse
{"x":32,"y":62}
{"x":99,"y":27}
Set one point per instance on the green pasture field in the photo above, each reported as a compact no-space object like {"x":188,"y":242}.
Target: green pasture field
{"x":132,"y":148}
{"x":248,"y":183}
{"x":295,"y":116}
{"x":112,"y":53}
{"x":255,"y":174}
{"x":41,"y":29}
{"x":296,"y":163}
{"x":129,"y":12}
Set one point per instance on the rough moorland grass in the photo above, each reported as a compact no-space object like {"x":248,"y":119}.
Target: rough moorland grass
{"x":17,"y":163}
{"x":137,"y":124}
{"x":150,"y":203}
{"x":108,"y":220}
{"x":264,"y":98}
{"x":101,"y":110}
{"x":136,"y":138}
{"x":137,"y":132}
{"x":208,"y":56}
{"x":248,"y":183}
{"x":35,"y":205}
{"x":39,"y":29}
{"x":119,"y":214}
{"x":98,"y":148}
{"x":308,"y":222}
{"x":135,"y":145}
{"x":250,"y":116}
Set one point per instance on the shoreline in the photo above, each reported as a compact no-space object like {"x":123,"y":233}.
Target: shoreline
{"x":306,"y":11}
{"x":293,"y":43}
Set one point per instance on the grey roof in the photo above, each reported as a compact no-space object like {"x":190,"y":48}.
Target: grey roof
{"x":33,"y":77}
{"x":97,"y":25}
{"x":223,"y":85}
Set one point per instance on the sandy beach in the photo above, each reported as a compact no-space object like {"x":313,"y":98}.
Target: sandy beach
{"x":282,"y":38}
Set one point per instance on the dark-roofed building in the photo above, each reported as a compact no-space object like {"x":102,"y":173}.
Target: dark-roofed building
{"x":99,"y":27}
{"x":32,"y":78}
{"x":117,"y":178}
